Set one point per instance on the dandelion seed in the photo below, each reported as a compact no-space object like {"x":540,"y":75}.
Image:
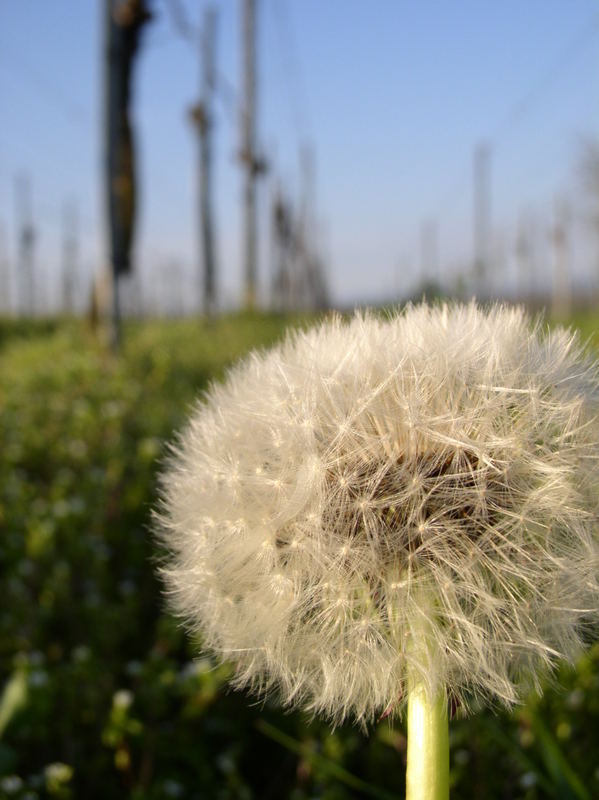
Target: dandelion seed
{"x":448,"y":490}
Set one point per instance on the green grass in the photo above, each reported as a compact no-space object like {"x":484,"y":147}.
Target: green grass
{"x":97,"y":677}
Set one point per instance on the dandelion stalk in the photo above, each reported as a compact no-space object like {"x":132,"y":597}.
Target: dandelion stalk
{"x":427,"y":772}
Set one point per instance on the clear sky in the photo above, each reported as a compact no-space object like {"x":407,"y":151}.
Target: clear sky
{"x":394,"y":96}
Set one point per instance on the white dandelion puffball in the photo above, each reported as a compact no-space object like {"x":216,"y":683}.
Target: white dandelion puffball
{"x":383,"y":498}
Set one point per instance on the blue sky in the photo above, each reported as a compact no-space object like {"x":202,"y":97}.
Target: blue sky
{"x":394,"y":97}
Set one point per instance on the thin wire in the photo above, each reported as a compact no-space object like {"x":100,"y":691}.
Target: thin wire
{"x":180,"y":21}
{"x":290,"y":63}
{"x":567,"y":56}
{"x":519,"y":109}
{"x":192,"y":36}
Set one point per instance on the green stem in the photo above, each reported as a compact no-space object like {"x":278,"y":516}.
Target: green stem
{"x":427,"y":774}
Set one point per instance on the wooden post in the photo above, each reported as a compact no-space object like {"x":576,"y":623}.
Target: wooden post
{"x":482,"y":217}
{"x":202,"y":118}
{"x":69,"y":257}
{"x":253,"y":165}
{"x":562,"y":289}
{"x":124,"y":21}
{"x":5,"y":276}
{"x":26,"y":294}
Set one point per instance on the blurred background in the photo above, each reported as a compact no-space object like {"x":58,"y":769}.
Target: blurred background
{"x":315,"y":154}
{"x":181,"y":181}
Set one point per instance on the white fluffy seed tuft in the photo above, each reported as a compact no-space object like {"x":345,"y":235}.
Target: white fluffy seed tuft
{"x":364,"y":482}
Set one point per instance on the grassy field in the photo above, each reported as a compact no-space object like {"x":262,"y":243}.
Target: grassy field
{"x":102,"y":697}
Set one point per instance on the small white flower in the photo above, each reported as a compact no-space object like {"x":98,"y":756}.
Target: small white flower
{"x":194,"y":669}
{"x":172,"y":788}
{"x":38,"y":678}
{"x":122,"y":699}
{"x":57,"y":774}
{"x":11,"y":784}
{"x":447,"y":481}
{"x":81,"y":653}
{"x":134,"y":668}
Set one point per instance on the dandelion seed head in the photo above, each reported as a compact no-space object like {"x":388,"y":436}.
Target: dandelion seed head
{"x":369,"y":480}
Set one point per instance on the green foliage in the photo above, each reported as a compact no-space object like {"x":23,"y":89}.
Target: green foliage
{"x":100,"y":692}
